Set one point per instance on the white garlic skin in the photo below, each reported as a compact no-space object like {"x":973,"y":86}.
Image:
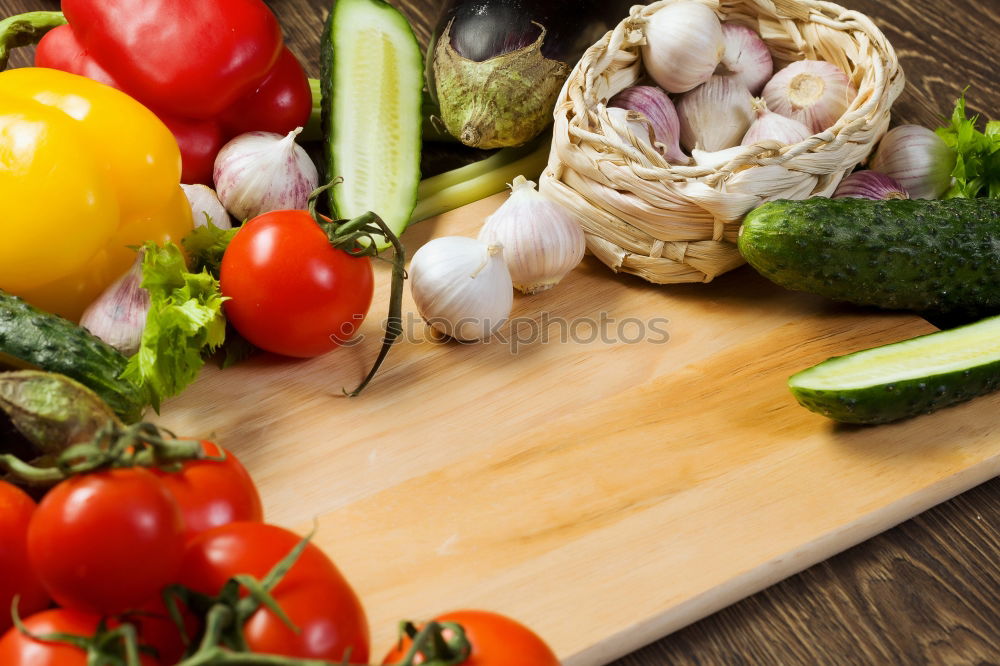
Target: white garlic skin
{"x":746,"y":57}
{"x":205,"y":206}
{"x":260,"y":172}
{"x":814,"y":92}
{"x":541,"y":240}
{"x":118,"y":316}
{"x":684,"y":45}
{"x":462,"y":287}
{"x":770,"y":126}
{"x":715,"y":115}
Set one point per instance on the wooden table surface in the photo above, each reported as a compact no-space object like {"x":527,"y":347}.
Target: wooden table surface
{"x":925,"y":592}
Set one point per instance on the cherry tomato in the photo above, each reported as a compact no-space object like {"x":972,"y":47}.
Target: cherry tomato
{"x":496,"y":640}
{"x":212,"y":493}
{"x":290,"y":291}
{"x":313,"y":593}
{"x":18,"y":649}
{"x":107,"y":541}
{"x":16,"y":576}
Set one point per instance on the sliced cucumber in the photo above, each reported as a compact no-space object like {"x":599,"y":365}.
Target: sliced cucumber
{"x":904,"y":379}
{"x":372,"y":83}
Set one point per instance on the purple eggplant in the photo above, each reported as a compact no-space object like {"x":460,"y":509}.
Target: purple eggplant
{"x":495,"y":67}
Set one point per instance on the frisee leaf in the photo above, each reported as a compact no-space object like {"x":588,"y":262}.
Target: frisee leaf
{"x":977,"y":163}
{"x":184,"y":323}
{"x":206,"y":245}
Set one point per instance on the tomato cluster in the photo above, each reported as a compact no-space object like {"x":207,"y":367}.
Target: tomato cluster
{"x":113,"y":547}
{"x":105,"y":544}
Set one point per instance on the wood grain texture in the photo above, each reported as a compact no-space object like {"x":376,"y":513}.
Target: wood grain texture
{"x":924,"y":592}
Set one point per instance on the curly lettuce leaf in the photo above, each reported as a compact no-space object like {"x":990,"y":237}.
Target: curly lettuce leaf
{"x":977,"y":164}
{"x":206,"y":245}
{"x":184,"y":323}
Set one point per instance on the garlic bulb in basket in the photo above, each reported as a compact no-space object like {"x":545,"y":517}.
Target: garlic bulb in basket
{"x":715,"y":115}
{"x":656,"y":107}
{"x":461,"y":286}
{"x":770,"y":126}
{"x":814,"y":92}
{"x":541,"y":241}
{"x":746,"y":57}
{"x":683,"y":46}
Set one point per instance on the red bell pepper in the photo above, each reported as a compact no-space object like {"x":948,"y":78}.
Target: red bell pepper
{"x":210,"y":69}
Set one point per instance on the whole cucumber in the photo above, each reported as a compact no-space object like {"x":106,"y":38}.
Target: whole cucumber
{"x":936,"y":257}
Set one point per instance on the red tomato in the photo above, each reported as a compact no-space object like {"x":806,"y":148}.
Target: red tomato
{"x":291,"y":292}
{"x":18,"y":649}
{"x":16,"y":575}
{"x":212,"y":493}
{"x":496,"y":641}
{"x":313,"y":593}
{"x":107,"y":541}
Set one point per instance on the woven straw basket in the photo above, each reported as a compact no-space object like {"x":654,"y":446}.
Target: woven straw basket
{"x":672,"y":224}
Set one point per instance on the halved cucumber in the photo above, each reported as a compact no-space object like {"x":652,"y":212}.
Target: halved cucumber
{"x":372,"y":82}
{"x":904,"y":379}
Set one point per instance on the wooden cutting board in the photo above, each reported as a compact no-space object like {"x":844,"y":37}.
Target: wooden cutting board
{"x":604,"y":489}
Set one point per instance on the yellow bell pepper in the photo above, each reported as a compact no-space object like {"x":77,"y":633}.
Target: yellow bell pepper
{"x":85,"y":173}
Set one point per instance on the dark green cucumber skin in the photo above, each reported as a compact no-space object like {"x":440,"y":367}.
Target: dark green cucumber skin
{"x":51,"y":343}
{"x":900,"y":400}
{"x":326,"y":103}
{"x":939,"y":257}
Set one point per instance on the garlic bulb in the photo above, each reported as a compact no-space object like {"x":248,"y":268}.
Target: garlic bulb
{"x":774,"y":127}
{"x":656,"y":107}
{"x":542,"y":242}
{"x":814,"y":92}
{"x":683,"y":46}
{"x":259,"y":172}
{"x":715,"y":115}
{"x":869,"y":185}
{"x":633,"y":121}
{"x":746,"y":57}
{"x":461,"y":286}
{"x":118,"y":316}
{"x":918,"y":158}
{"x":205,"y":206}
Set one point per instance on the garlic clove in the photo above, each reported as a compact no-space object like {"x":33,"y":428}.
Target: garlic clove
{"x":260,"y":172}
{"x":916,"y":157}
{"x":206,"y":207}
{"x":684,"y":45}
{"x":656,"y":107}
{"x":118,"y":316}
{"x":814,"y":92}
{"x":770,"y":126}
{"x":715,"y":115}
{"x":461,"y":287}
{"x":542,"y":241}
{"x":746,"y":57}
